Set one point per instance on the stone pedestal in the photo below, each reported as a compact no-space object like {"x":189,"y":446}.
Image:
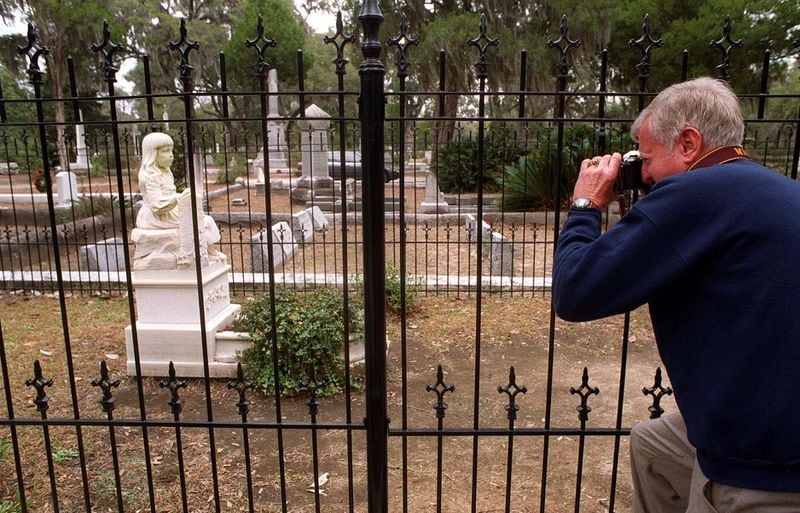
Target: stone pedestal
{"x":168,"y":322}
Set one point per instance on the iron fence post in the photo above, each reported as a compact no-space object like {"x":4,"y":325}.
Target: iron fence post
{"x":372,"y":119}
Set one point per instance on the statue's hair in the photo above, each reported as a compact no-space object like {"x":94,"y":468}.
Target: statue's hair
{"x":707,"y":104}
{"x":151,"y":143}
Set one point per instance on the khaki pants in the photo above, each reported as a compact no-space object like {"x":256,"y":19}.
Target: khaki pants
{"x":667,"y":478}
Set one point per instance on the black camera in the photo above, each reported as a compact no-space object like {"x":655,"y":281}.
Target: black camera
{"x":630,"y":176}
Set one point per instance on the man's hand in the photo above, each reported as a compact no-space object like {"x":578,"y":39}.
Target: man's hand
{"x":597,"y":178}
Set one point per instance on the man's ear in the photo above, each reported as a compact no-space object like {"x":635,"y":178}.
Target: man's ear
{"x":690,"y":144}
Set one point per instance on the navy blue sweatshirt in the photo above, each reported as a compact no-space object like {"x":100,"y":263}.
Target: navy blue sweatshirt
{"x":715,"y":252}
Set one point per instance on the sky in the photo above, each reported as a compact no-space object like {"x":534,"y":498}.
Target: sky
{"x":319,"y":22}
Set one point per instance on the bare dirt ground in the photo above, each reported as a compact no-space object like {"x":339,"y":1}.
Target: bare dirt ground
{"x":440,"y":330}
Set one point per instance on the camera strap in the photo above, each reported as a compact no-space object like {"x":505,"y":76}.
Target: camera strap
{"x":720,"y":155}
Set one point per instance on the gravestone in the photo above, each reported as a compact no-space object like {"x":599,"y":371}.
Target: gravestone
{"x":9,"y":168}
{"x":501,"y":255}
{"x":106,"y":255}
{"x":81,"y":158}
{"x":67,"y":187}
{"x":434,"y":202}
{"x":318,"y":219}
{"x":283,"y":246}
{"x":315,"y":185}
{"x":494,"y":245}
{"x":303,"y":226}
{"x":276,"y":136}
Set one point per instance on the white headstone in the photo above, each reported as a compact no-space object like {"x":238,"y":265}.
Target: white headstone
{"x":67,"y":187}
{"x":502,"y":255}
{"x":105,"y":255}
{"x":314,"y":142}
{"x":9,"y":168}
{"x":318,"y":218}
{"x":303,"y":226}
{"x":434,"y":201}
{"x":82,"y":161}
{"x":283,"y":247}
{"x":272,"y":87}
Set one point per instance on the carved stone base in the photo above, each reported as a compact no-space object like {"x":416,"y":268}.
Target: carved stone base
{"x":168,"y":322}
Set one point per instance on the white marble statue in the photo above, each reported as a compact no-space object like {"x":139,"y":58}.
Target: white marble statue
{"x":164,"y":225}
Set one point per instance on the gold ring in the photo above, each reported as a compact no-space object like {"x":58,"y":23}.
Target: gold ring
{"x":595,"y":161}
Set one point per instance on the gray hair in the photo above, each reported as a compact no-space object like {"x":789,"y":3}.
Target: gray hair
{"x":707,"y":104}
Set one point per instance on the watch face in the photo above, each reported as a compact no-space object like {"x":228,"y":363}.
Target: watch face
{"x":582,"y":203}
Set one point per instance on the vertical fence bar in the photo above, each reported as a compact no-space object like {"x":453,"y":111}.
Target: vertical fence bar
{"x":341,"y":64}
{"x":34,"y":52}
{"x":482,"y":42}
{"x":23,"y":502}
{"x":563,"y":44}
{"x":372,"y":117}
{"x":184,"y":45}
{"x":261,"y":43}
{"x":108,"y":49}
{"x":403,"y":41}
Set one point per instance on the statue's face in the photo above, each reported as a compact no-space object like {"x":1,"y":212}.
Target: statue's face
{"x":164,"y":157}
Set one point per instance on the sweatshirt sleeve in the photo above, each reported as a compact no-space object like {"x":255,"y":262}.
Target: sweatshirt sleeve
{"x":598,"y":275}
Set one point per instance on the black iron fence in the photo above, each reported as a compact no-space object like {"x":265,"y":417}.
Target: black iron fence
{"x":456,"y":216}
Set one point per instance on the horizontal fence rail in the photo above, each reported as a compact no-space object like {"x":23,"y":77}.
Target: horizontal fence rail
{"x":458,"y":388}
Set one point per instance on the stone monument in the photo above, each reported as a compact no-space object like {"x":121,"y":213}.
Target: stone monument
{"x":276,"y":136}
{"x":81,"y":158}
{"x":434,"y":202}
{"x":168,"y":327}
{"x":315,"y":186}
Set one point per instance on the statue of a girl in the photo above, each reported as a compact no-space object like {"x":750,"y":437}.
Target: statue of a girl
{"x":163,"y":208}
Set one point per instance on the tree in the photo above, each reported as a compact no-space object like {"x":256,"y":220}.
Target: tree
{"x":65,"y":28}
{"x":761,"y":25}
{"x":155,"y":23}
{"x":282,"y":25}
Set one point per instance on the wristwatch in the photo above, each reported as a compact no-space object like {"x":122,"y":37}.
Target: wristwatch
{"x":582,"y":203}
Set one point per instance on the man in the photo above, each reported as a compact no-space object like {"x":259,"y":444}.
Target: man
{"x":714,"y":249}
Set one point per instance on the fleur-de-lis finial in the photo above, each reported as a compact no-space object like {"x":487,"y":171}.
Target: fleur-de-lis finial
{"x":241,"y":386}
{"x":512,"y":390}
{"x":563,"y":44}
{"x":34,"y":52}
{"x":39,"y":383}
{"x":261,"y":44}
{"x":106,"y":384}
{"x":174,"y":384}
{"x":440,"y":388}
{"x":584,"y":391}
{"x":482,"y":42}
{"x":645,"y":43}
{"x":108,"y":48}
{"x":402,"y":42}
{"x":657,"y":391}
{"x":184,"y":45}
{"x":340,"y":61}
{"x":724,"y":45}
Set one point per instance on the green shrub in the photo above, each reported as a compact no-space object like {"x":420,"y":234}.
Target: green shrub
{"x":88,"y":206}
{"x":393,"y":296}
{"x":530,"y":183}
{"x":310,"y":330}
{"x":97,"y":166}
{"x":231,"y":172}
{"x":458,"y":170}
